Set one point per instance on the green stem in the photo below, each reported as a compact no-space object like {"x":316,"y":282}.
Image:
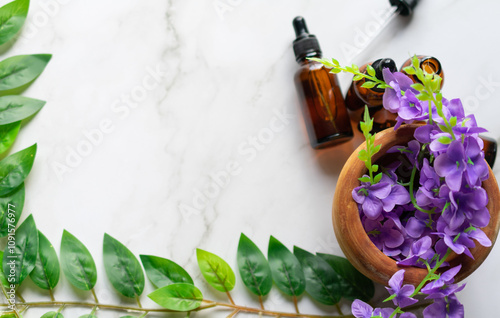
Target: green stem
{"x":425,"y":280}
{"x":207,"y":304}
{"x":339,"y":310}
{"x":412,"y":196}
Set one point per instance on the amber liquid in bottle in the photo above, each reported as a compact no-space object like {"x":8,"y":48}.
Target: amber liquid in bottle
{"x":324,"y":112}
{"x":323,"y":108}
{"x":429,"y":64}
{"x":357,"y":97}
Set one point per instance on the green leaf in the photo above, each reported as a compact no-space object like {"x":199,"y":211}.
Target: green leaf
{"x":122,"y":267}
{"x":216,"y":271}
{"x":415,"y":61}
{"x":419,"y":87}
{"x":354,"y":284}
{"x":21,"y":70}
{"x":453,"y":121}
{"x":254,"y":268}
{"x":335,"y":62}
{"x":77,"y":263}
{"x":376,"y":149}
{"x":357,"y":78}
{"x":439,"y":97}
{"x":179,"y":296}
{"x":52,"y":314}
{"x":368,"y":84}
{"x":11,"y":207}
{"x":375,"y":168}
{"x":365,"y":179}
{"x":12,"y":17}
{"x":15,"y":108}
{"x":423,"y":96}
{"x":8,"y":134}
{"x":162,"y":272}
{"x":444,"y":140}
{"x":378,"y":177}
{"x":46,"y":272}
{"x":335,"y":70}
{"x":322,"y":283}
{"x":88,"y":316}
{"x":15,"y":168}
{"x":409,"y":70}
{"x":285,"y":268}
{"x":370,"y":70}
{"x":19,"y":258}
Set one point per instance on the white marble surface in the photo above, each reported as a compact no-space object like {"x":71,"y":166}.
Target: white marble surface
{"x":179,"y":89}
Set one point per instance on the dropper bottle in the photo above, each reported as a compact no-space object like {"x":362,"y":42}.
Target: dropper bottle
{"x":323,"y":108}
{"x":357,"y":97}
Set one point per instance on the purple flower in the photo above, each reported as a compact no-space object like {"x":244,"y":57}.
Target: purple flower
{"x":411,"y":151}
{"x":445,"y":307}
{"x":361,"y":309}
{"x":392,"y":96}
{"x":477,"y":168}
{"x":440,"y":284}
{"x":420,"y":249}
{"x":451,"y":165}
{"x":403,"y":292}
{"x":410,"y":107}
{"x":398,"y":196}
{"x":386,"y":236}
{"x":370,"y":197}
{"x":467,"y":205}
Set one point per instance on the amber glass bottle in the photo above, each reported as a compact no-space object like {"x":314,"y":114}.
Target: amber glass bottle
{"x":429,"y":64}
{"x":323,"y":107}
{"x":357,"y":97}
{"x":490,"y":150}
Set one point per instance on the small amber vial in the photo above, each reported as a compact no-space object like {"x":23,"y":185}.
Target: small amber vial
{"x":428,"y":64}
{"x":323,"y":108}
{"x":357,"y":97}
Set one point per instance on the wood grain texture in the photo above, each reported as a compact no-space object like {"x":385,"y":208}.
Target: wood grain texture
{"x":356,"y":244}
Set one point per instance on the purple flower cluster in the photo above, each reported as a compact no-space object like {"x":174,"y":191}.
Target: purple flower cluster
{"x":415,"y":217}
{"x":442,"y":290}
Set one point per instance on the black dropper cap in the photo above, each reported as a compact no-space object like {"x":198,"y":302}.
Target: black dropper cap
{"x":380,"y":64}
{"x":305,"y":44}
{"x":405,"y":7}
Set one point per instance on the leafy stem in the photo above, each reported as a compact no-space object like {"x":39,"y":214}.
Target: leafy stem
{"x":429,"y":277}
{"x":207,"y":304}
{"x":366,"y":155}
{"x":354,"y":69}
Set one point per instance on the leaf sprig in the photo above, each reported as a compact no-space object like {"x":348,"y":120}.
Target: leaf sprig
{"x":366,"y":155}
{"x":326,"y":278}
{"x":372,"y":80}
